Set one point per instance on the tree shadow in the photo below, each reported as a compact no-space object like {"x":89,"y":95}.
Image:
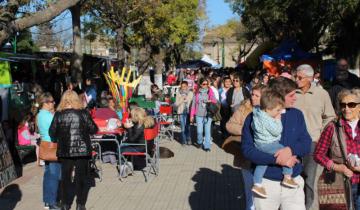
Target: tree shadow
{"x":10,"y":196}
{"x":215,"y":190}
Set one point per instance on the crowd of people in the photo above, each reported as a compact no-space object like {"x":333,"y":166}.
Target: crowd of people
{"x":288,"y":128}
{"x":285,"y":125}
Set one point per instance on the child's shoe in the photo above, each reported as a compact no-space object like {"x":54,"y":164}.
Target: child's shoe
{"x":289,"y":183}
{"x":259,"y":190}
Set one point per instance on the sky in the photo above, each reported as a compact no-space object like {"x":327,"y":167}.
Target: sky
{"x":219,"y":12}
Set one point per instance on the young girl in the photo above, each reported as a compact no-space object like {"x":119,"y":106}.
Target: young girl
{"x":27,"y":134}
{"x":267,"y":128}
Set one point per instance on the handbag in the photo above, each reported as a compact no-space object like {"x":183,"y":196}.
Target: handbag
{"x":47,"y":151}
{"x":211,"y":109}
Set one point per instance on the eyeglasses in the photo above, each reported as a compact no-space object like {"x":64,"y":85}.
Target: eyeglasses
{"x":52,"y":101}
{"x":351,"y":105}
{"x":236,"y":80}
{"x":299,"y":78}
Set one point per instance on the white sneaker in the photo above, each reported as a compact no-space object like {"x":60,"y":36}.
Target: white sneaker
{"x":41,"y":163}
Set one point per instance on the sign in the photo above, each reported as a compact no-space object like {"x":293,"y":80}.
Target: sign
{"x":7,"y":167}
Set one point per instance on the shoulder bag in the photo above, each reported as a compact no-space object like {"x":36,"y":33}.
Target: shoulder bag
{"x":47,"y":151}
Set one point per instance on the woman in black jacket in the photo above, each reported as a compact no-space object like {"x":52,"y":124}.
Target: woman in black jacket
{"x":71,"y":129}
{"x":236,"y":94}
{"x":135,"y":130}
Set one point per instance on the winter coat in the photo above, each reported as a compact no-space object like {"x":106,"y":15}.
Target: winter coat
{"x":71,"y":129}
{"x":181,"y":103}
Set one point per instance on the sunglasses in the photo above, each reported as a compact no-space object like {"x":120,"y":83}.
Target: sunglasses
{"x":236,"y":80}
{"x":52,"y":101}
{"x":350,"y":105}
{"x":203,"y":84}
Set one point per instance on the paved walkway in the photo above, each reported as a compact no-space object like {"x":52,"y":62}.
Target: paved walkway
{"x":193,"y":179}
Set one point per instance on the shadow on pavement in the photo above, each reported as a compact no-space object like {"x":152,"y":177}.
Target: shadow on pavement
{"x":10,"y":196}
{"x":215,"y":190}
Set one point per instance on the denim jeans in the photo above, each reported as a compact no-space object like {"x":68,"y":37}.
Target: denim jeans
{"x":248,"y":183}
{"x":202,"y":122}
{"x":185,"y":127}
{"x":270,"y":148}
{"x":52,"y":176}
{"x":356,"y":196}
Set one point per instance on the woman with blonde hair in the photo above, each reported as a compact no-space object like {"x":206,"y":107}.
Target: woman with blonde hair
{"x":71,"y":129}
{"x":52,"y":169}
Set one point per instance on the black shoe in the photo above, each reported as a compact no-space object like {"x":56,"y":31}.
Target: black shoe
{"x":65,"y":207}
{"x":80,"y":207}
{"x":54,"y":207}
{"x":207,"y":150}
{"x":46,"y":205}
{"x":197,"y":145}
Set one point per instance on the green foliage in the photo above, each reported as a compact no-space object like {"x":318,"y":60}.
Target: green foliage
{"x":315,"y":24}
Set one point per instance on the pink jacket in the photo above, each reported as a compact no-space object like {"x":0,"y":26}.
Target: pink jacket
{"x":24,"y":135}
{"x":194,"y":107}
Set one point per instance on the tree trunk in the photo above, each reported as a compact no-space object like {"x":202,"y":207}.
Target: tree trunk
{"x":120,"y":45}
{"x":53,"y":10}
{"x":76,"y":63}
{"x":159,"y":65}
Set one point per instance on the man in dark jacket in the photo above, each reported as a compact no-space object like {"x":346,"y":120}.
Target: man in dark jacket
{"x":343,"y":80}
{"x":297,"y":144}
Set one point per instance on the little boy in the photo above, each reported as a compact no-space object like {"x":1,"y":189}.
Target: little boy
{"x":267,"y":134}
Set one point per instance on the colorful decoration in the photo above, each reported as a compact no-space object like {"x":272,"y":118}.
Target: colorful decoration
{"x":120,"y":86}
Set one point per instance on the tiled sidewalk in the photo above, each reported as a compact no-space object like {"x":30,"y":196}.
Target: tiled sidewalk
{"x":193,"y":179}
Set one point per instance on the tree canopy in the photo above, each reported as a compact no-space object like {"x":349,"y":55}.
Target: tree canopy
{"x":319,"y":25}
{"x":17,"y":15}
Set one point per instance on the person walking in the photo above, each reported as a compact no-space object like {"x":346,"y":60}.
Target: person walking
{"x":237,"y":93}
{"x":328,"y":151}
{"x":315,"y":104}
{"x":182,"y":102}
{"x":297,"y":143}
{"x":203,"y":96}
{"x":52,"y":169}
{"x":71,"y":129}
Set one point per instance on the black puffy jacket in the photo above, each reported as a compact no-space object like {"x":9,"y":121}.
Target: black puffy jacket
{"x":71,"y":129}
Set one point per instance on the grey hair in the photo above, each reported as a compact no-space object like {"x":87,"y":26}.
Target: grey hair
{"x":355,"y":92}
{"x":307,"y":69}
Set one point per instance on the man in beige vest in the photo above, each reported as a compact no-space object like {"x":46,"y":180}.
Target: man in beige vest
{"x":316,"y":106}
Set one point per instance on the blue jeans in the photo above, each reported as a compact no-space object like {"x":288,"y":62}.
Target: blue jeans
{"x":52,"y":176}
{"x":202,"y":122}
{"x":356,"y":195}
{"x":248,"y":183}
{"x":270,"y":148}
{"x":185,"y":127}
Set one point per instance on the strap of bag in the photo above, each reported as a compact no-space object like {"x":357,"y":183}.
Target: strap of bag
{"x":347,"y":181}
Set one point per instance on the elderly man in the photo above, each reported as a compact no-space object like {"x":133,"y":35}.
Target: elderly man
{"x":297,"y":144}
{"x":316,"y":106}
{"x":343,"y":80}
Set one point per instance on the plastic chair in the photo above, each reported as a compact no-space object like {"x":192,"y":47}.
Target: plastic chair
{"x":151,"y":154}
{"x":166,"y":122}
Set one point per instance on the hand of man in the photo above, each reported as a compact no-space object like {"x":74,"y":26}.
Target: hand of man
{"x":292,"y":161}
{"x":192,"y":119}
{"x":283,"y":155}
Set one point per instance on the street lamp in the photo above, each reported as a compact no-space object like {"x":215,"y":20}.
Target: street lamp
{"x":12,"y":43}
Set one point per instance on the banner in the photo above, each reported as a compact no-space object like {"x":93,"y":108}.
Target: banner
{"x":7,"y":167}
